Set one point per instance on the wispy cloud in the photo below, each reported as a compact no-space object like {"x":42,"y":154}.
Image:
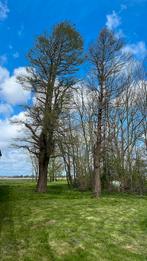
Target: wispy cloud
{"x":20,"y":31}
{"x":123,"y":7}
{"x":4,"y":10}
{"x":113,"y":20}
{"x":139,"y":49}
{"x":3,"y":59}
{"x":16,"y":55}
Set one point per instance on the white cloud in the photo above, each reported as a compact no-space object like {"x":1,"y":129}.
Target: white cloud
{"x":13,"y":161}
{"x":19,"y":117}
{"x":9,"y":131}
{"x":4,"y":74}
{"x":119,"y":33}
{"x":4,"y":10}
{"x":139,"y":49}
{"x":10,"y":90}
{"x":113,"y":21}
{"x":6,"y":109}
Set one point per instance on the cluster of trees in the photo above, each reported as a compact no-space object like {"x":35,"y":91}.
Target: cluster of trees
{"x":92,"y":129}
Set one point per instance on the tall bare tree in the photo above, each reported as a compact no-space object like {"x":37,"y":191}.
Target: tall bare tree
{"x":53,"y":63}
{"x":107,"y":61}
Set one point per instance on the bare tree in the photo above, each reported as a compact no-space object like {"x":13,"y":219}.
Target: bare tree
{"x":53,"y":62}
{"x":107,"y":61}
{"x":126,"y":130}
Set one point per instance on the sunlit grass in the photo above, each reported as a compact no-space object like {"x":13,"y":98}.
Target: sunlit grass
{"x":70,"y":225}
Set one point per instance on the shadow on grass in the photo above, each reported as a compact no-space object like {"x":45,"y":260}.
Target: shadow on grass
{"x":7,"y":236}
{"x":15,"y":227}
{"x":5,"y":207}
{"x":64,"y":192}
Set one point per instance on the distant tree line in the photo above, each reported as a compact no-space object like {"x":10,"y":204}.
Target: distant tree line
{"x":92,"y":129}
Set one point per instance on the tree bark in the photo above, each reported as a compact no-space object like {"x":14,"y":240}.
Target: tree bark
{"x":43,"y":172}
{"x":44,"y":157}
{"x":97,"y":175}
{"x":97,"y":153}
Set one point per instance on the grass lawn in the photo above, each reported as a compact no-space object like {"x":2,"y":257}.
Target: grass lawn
{"x":70,"y":225}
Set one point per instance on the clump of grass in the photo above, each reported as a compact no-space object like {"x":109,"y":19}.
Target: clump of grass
{"x":69,"y":225}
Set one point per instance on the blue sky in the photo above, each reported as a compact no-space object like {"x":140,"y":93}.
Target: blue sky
{"x":22,"y":21}
{"x":26,"y":19}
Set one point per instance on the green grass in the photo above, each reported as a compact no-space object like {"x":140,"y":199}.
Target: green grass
{"x":70,"y":225}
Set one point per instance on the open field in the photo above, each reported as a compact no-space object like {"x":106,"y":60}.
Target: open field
{"x":70,"y":225}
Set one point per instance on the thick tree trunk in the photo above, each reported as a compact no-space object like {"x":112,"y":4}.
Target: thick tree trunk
{"x":44,"y":157}
{"x":43,"y":172}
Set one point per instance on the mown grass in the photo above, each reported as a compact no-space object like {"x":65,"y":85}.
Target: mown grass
{"x":70,"y":225}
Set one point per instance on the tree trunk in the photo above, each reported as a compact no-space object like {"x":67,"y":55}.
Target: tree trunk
{"x":97,"y":154}
{"x":97,"y":177}
{"x":43,"y":171}
{"x":44,"y":157}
